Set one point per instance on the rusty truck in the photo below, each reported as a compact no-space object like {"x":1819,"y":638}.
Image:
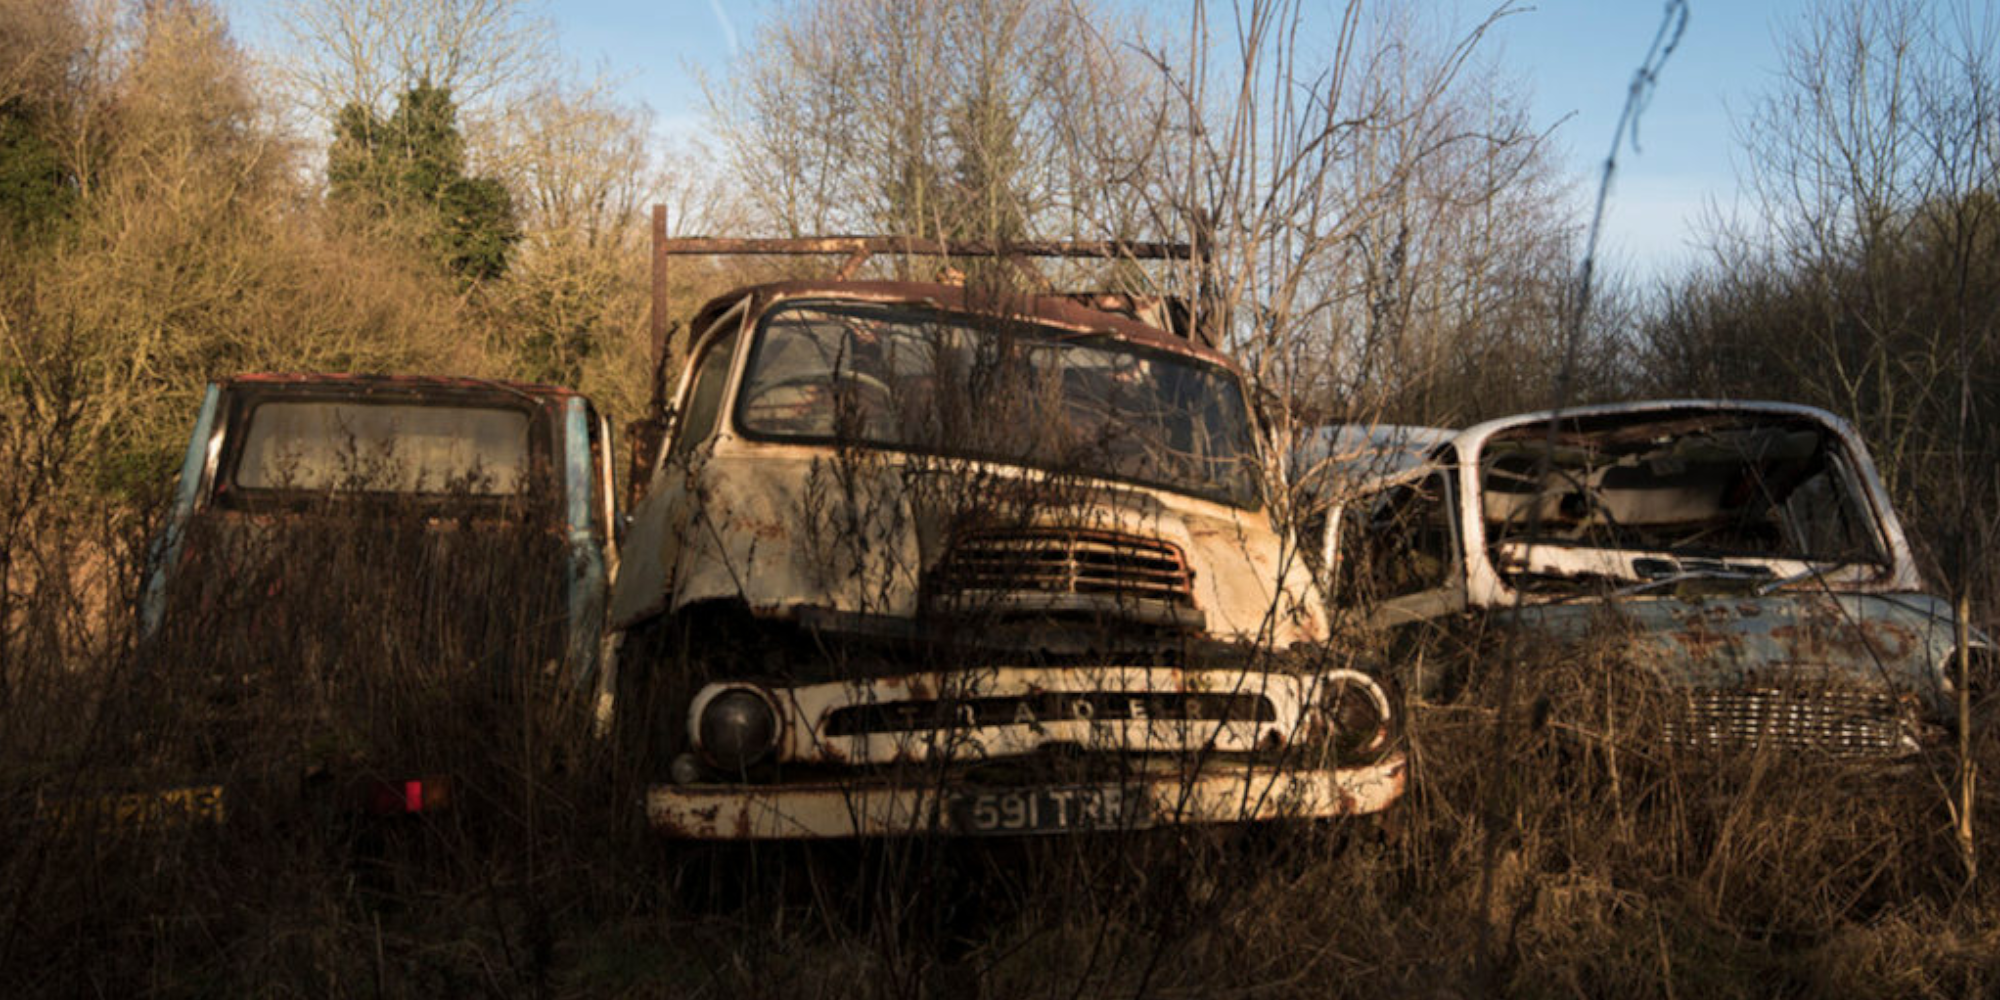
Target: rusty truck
{"x":968,"y":558}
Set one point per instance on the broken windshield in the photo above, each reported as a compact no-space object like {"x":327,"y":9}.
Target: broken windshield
{"x":1745,"y":497}
{"x":918,"y":380}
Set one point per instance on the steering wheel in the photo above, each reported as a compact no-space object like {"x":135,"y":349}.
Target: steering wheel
{"x":771,"y":396}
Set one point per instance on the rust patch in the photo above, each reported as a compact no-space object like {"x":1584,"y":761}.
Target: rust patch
{"x":1704,"y":642}
{"x":404,"y":382}
{"x":904,"y":687}
{"x":767,"y":531}
{"x":1858,"y":641}
{"x":1054,"y":311}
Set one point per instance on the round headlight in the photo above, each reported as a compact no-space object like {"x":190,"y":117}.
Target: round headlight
{"x":738,"y":728}
{"x":1360,"y":720}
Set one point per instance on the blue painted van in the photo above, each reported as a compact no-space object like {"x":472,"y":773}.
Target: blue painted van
{"x":364,"y":582}
{"x":1740,"y":560}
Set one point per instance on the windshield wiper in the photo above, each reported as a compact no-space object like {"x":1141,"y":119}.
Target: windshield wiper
{"x":1729,"y":573}
{"x":1809,"y":573}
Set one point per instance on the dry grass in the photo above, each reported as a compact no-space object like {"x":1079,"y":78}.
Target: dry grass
{"x":1534,"y":856}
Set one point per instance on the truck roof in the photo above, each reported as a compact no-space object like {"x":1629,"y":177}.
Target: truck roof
{"x":1053,"y":310}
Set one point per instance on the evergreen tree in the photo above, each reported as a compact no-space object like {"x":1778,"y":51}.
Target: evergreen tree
{"x":36,"y":190}
{"x":413,"y":166}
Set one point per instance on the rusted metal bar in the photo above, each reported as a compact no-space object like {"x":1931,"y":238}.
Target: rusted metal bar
{"x":1224,"y":793}
{"x":1210,"y":320}
{"x":643,"y":436}
{"x":850,"y":245}
{"x":852,"y":265}
{"x":1968,"y":847}
{"x":659,"y":317}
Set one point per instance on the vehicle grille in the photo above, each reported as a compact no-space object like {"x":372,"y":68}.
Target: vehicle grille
{"x":1843,"y":723}
{"x":1062,"y":561}
{"x":1048,"y":707}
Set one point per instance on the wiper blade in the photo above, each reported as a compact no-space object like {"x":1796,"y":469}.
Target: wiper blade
{"x":1733,"y":575}
{"x":1687,"y":575}
{"x":1809,"y":573}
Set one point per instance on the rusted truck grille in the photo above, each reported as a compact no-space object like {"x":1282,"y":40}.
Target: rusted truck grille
{"x":1062,"y":561}
{"x":1843,"y":723}
{"x":1036,"y":709}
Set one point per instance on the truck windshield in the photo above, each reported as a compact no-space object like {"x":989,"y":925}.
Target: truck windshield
{"x":352,"y":446}
{"x":918,"y":380}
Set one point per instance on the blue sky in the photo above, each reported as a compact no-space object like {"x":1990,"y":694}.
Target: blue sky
{"x":1575,"y":57}
{"x":1578,"y":58}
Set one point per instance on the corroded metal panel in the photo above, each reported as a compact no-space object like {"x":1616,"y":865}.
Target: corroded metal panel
{"x":1217,"y":793}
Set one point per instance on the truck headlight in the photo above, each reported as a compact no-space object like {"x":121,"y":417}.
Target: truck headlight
{"x":736,"y":726}
{"x":1358,"y":715}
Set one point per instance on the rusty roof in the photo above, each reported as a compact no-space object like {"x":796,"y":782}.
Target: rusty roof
{"x":1048,"y":309}
{"x":401,"y":382}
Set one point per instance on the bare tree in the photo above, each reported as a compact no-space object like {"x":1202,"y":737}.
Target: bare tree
{"x":366,"y":52}
{"x":37,"y":40}
{"x":580,"y":164}
{"x":1382,"y":217}
{"x":582,"y":175}
{"x":927,"y":118}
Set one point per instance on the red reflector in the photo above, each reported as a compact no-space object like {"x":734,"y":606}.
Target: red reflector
{"x":390,"y":798}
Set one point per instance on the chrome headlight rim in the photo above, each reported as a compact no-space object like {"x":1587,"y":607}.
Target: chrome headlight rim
{"x":709,"y":707}
{"x":1340,"y":692}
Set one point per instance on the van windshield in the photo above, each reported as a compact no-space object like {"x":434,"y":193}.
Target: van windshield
{"x":1726,"y":495}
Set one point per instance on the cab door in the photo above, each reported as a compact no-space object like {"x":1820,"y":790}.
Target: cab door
{"x":165,"y":551}
{"x":1397,"y":568}
{"x":591,"y":517}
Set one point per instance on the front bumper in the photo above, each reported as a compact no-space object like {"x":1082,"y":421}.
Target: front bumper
{"x":863,"y":808}
{"x":222,"y":801}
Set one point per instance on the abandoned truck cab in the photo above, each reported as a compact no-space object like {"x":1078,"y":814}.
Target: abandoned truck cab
{"x":1742,"y":558}
{"x":355,"y":568}
{"x":913,"y":560}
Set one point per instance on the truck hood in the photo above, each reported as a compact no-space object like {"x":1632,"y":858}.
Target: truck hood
{"x":786,"y":528}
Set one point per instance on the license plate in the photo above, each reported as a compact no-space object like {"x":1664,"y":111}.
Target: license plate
{"x":173,"y":807}
{"x":1044,"y":810}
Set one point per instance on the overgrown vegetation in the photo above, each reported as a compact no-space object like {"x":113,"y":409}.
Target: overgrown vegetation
{"x":1582,"y":854}
{"x":1390,"y":243}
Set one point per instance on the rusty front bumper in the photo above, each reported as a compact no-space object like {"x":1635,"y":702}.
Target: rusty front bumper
{"x":858,"y":808}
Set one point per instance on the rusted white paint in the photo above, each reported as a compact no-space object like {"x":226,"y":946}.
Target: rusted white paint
{"x":1483,"y":582}
{"x":736,"y":524}
{"x":1833,"y":632}
{"x":1215,"y":792}
{"x":804,"y":713}
{"x":1479,"y":584}
{"x":735,"y":520}
{"x":788,"y":528}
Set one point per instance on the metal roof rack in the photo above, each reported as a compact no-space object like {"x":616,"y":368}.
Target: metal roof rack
{"x":1171,"y":314}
